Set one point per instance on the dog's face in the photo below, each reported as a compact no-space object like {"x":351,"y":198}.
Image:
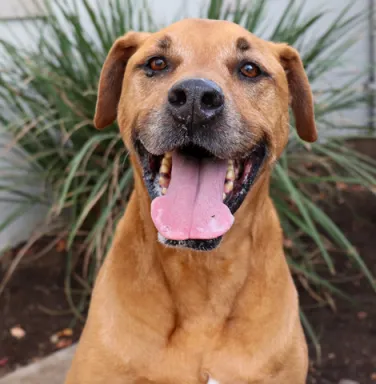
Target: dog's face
{"x":204,"y":105}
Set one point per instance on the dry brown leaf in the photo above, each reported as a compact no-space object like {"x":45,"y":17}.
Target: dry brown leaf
{"x":287,"y":243}
{"x":54,"y":339}
{"x":61,"y":246}
{"x":3,"y":361}
{"x":63,"y":343}
{"x":67,"y":332}
{"x":341,"y":186}
{"x":358,"y":188}
{"x":64,"y":333}
{"x":362,"y":315}
{"x":18,"y":332}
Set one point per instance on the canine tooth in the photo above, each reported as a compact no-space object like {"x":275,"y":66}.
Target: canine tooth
{"x":231,"y":162}
{"x":164,"y":191}
{"x":224,"y":196}
{"x":168,"y":155}
{"x":230,"y":175}
{"x":166,"y":163}
{"x":163,"y":181}
{"x":164,"y":169}
{"x":229,"y":186}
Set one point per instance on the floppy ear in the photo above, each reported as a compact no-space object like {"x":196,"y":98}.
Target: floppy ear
{"x":300,"y":92}
{"x":111,"y":79}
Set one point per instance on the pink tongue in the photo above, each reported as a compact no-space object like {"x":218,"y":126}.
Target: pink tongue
{"x":193,"y":206}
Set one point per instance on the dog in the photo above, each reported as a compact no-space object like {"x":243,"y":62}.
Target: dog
{"x":196,"y":287}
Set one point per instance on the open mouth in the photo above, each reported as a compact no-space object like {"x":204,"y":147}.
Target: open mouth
{"x":195,"y":194}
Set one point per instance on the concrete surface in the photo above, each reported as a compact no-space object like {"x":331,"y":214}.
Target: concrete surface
{"x":51,"y":370}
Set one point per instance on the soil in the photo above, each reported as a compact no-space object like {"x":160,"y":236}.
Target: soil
{"x":35,"y":300}
{"x":348,"y":334}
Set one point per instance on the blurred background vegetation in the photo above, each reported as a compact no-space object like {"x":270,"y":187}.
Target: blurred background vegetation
{"x":48,"y":96}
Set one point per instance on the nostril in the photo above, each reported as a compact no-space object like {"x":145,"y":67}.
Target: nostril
{"x":195,"y":101}
{"x":212,"y":100}
{"x":177,"y":98}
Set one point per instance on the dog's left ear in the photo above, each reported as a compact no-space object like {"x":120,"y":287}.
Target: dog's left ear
{"x":112,"y":74}
{"x":300,"y":92}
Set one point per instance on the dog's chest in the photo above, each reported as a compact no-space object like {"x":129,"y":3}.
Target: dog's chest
{"x":199,"y":368}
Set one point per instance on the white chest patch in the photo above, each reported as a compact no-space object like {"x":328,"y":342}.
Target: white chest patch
{"x":212,"y":381}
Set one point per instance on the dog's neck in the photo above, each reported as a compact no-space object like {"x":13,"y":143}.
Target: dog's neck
{"x":202,"y":284}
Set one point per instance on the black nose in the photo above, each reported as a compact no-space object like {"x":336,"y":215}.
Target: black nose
{"x":195,"y":101}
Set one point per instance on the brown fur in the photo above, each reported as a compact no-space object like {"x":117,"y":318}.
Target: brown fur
{"x":167,"y":315}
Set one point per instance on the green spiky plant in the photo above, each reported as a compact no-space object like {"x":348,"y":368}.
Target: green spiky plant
{"x":50,"y":94}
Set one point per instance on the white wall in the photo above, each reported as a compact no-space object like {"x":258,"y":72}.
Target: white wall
{"x":14,"y":9}
{"x":354,"y":63}
{"x":21,"y":229}
{"x":166,"y":11}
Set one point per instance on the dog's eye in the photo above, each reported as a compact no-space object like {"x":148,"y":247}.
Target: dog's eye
{"x":157,"y":64}
{"x":250,"y":70}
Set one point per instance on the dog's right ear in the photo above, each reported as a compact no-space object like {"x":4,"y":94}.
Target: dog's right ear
{"x":112,"y":74}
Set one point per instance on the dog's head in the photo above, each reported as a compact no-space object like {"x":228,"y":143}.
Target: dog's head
{"x":204,"y":105}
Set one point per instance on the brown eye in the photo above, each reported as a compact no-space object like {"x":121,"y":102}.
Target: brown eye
{"x":157,"y":64}
{"x":250,"y":70}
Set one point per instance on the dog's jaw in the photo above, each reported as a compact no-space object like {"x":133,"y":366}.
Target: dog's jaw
{"x":195,"y":244}
{"x":157,"y":174}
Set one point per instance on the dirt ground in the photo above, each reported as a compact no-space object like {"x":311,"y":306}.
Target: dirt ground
{"x":34,"y":302}
{"x":348,"y":336}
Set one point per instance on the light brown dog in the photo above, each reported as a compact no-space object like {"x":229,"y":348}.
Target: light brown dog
{"x":196,"y":288}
